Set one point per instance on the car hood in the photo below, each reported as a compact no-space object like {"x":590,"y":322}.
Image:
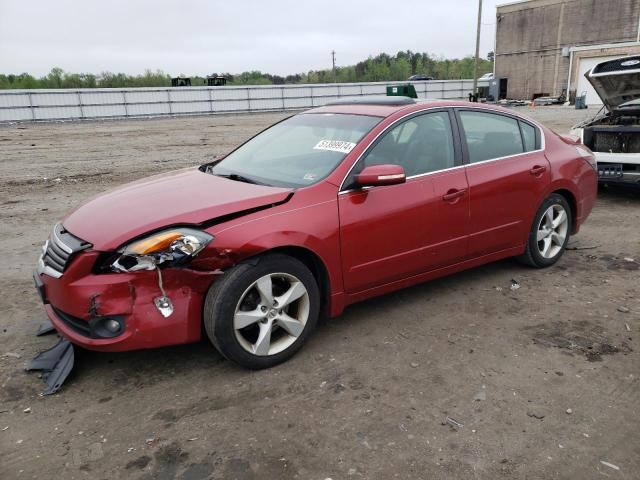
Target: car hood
{"x":187,"y":196}
{"x":616,"y":81}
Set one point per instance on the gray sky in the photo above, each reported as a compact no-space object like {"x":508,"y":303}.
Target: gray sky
{"x":200,"y":37}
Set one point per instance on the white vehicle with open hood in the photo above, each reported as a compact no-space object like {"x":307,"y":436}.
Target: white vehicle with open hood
{"x":614,"y":133}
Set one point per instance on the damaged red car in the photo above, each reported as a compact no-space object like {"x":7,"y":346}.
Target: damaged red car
{"x":323,"y":209}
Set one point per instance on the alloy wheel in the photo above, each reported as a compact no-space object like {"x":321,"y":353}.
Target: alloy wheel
{"x":271,"y":314}
{"x":552,"y":231}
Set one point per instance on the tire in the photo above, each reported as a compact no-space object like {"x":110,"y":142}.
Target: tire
{"x":554,"y":239}
{"x":239,"y":315}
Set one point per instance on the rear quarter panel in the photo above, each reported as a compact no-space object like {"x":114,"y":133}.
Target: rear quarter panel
{"x":569,"y":171}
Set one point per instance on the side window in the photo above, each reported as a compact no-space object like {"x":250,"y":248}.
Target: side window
{"x":528,"y":136}
{"x":490,"y":135}
{"x":421,"y":144}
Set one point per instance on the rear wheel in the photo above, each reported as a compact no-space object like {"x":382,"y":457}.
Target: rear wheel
{"x":260,"y":315}
{"x":549,"y":233}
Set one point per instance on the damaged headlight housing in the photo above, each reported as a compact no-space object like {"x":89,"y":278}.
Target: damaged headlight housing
{"x":172,"y":247}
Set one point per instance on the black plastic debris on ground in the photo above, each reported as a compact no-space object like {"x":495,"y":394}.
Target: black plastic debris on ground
{"x":46,"y":328}
{"x":578,"y":336}
{"x":56,"y":365}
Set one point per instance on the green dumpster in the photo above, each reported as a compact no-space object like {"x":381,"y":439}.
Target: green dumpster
{"x":407,"y":90}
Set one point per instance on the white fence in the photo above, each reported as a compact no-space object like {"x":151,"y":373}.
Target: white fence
{"x":96,"y":103}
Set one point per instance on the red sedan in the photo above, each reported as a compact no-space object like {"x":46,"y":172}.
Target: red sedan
{"x":326,"y":208}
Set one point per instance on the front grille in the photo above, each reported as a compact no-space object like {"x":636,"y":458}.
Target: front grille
{"x":59,"y":250}
{"x":618,"y":65}
{"x":76,"y":324}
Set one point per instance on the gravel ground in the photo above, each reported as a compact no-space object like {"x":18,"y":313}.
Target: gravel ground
{"x":544,"y":378}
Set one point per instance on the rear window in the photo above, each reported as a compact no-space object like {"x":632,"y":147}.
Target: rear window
{"x":491,"y":135}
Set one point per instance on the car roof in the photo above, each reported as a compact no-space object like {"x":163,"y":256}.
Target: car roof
{"x":360,"y":109}
{"x":373,"y":100}
{"x":375,"y":109}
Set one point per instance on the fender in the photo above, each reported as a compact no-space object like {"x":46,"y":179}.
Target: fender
{"x":316,"y":230}
{"x":225,"y":255}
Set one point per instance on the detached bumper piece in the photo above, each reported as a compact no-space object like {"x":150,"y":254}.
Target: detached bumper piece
{"x":45,"y":329}
{"x":56,"y":365}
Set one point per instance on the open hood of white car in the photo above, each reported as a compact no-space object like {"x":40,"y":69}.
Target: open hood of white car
{"x":616,"y":81}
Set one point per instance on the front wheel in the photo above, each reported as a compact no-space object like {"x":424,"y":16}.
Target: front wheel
{"x":259,"y":315}
{"x":549,"y":233}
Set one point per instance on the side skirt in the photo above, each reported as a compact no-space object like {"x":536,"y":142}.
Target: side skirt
{"x":340,"y":300}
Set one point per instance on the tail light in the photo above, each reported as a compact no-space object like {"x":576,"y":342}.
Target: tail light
{"x":588,"y":156}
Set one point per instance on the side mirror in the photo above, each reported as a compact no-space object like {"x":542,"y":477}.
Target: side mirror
{"x":376,"y":175}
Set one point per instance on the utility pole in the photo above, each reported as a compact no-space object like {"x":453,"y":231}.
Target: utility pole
{"x":477,"y":59}
{"x":333,"y":60}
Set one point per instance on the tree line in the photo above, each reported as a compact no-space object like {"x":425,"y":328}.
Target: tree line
{"x":383,"y":67}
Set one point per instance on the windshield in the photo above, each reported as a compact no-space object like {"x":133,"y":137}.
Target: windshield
{"x":297,"y":152}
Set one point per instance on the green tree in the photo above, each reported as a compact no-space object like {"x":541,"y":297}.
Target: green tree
{"x":54,"y":79}
{"x":400,"y":69}
{"x":381,"y":68}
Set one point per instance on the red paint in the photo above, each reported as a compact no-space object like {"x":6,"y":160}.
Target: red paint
{"x":504,"y":196}
{"x":182,"y":197}
{"x":379,"y":175}
{"x":370,"y":241}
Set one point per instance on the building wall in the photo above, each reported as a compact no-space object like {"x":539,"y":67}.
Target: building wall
{"x":530,"y":37}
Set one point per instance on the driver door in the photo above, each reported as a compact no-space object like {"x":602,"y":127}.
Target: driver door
{"x":386,"y":231}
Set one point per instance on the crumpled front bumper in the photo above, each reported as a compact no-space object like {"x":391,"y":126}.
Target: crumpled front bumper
{"x":77,"y":301}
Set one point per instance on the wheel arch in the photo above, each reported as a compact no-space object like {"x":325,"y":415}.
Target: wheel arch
{"x":573,"y":204}
{"x":313,"y":262}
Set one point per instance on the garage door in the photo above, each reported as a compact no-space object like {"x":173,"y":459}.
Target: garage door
{"x":587,"y":64}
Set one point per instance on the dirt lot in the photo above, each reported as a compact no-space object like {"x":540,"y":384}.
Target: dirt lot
{"x":545,"y":378}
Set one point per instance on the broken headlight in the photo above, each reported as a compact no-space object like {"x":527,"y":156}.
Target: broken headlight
{"x":170,"y":248}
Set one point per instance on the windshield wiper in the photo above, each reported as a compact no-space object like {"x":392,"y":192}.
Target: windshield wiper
{"x":239,"y":178}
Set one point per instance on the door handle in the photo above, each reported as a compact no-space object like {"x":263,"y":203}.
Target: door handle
{"x":538,"y":170}
{"x":453,"y":194}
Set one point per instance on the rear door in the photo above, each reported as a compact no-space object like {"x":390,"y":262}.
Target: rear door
{"x":392,"y":232}
{"x":507,"y":173}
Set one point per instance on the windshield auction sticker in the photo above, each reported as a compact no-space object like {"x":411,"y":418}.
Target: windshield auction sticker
{"x":335,"y":146}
